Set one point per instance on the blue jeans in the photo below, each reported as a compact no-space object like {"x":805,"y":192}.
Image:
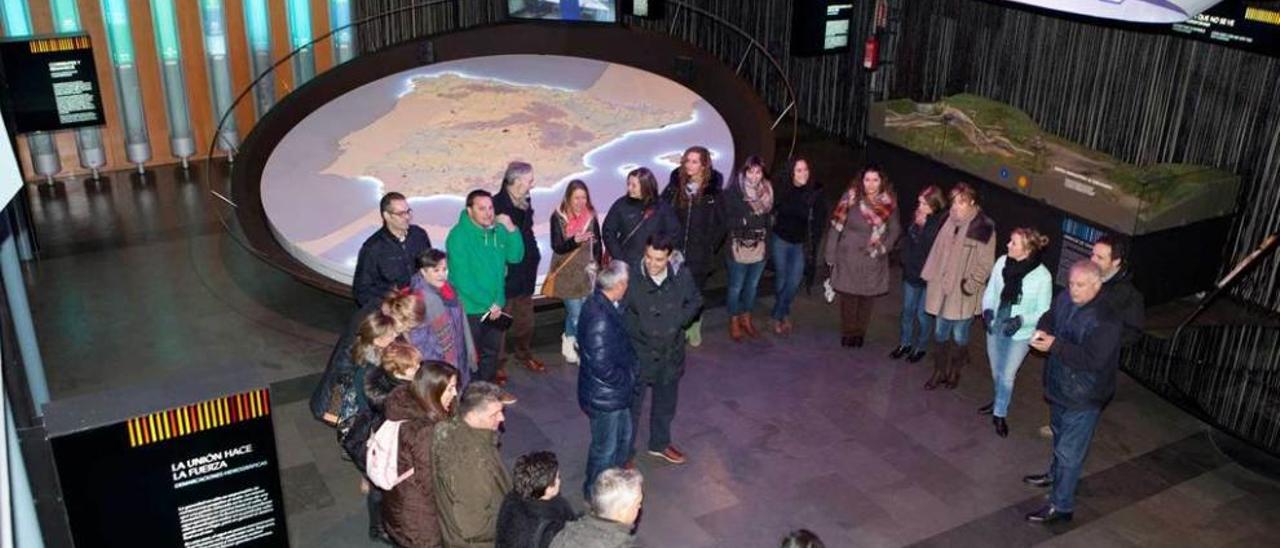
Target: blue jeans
{"x":572,"y":309}
{"x":955,"y":330}
{"x":610,"y":444}
{"x":788,"y":271}
{"x":913,"y":313}
{"x":1072,"y":433}
{"x":744,"y":279}
{"x":1006,"y":356}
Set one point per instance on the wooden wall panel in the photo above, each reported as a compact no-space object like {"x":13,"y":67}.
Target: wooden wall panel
{"x":281,"y":47}
{"x":320,"y":26}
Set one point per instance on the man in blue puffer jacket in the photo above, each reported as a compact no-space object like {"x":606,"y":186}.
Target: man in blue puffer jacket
{"x":1081,"y":334}
{"x":607,"y":375}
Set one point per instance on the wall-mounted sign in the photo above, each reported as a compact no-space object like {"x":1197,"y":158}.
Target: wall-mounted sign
{"x":50,"y":83}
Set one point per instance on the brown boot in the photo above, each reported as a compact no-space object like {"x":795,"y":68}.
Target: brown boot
{"x":959,"y":358}
{"x":747,"y":327}
{"x":941,"y":363}
{"x":735,"y":328}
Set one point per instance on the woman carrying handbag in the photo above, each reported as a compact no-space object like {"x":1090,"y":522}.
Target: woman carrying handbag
{"x":576,"y":242}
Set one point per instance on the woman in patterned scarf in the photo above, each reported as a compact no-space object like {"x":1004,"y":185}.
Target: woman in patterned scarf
{"x":864,"y":228}
{"x":748,"y":204}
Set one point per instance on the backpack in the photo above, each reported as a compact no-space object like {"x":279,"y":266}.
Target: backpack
{"x":382,"y":460}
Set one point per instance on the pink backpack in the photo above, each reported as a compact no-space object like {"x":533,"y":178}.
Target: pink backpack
{"x":381,"y":460}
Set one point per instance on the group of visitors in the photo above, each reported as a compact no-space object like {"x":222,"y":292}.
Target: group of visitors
{"x":421,"y":366}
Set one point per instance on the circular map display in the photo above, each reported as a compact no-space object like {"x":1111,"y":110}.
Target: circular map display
{"x":438,"y":132}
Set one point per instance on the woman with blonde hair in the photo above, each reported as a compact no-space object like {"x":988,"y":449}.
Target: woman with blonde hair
{"x":577,"y":244}
{"x":1018,"y":292}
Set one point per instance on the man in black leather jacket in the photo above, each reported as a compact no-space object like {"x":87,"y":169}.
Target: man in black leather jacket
{"x":607,"y":375}
{"x":1081,"y":334}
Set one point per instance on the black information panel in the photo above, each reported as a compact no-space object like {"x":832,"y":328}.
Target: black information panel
{"x":50,"y":83}
{"x":1248,"y":25}
{"x":203,"y":475}
{"x":820,"y":26}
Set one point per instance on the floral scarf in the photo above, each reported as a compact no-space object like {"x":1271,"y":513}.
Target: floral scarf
{"x":875,"y":212}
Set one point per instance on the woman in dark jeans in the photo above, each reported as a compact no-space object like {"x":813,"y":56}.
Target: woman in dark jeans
{"x":693,"y":190}
{"x":801,"y":213}
{"x":931,"y":207}
{"x":748,"y":215}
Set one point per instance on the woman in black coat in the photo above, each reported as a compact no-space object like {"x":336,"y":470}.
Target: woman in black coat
{"x":636,"y":217}
{"x":533,"y":512}
{"x":800,"y":216}
{"x":694,"y":192}
{"x":931,"y":207}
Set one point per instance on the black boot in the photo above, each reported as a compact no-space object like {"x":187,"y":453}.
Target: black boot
{"x":916,"y":356}
{"x":900,"y":351}
{"x":941,"y":363}
{"x":986,"y":409}
{"x":959,"y":358}
{"x":1002,"y":427}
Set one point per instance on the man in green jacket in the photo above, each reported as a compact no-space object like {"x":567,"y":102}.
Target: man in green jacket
{"x":480,"y":247}
{"x":469,"y":478}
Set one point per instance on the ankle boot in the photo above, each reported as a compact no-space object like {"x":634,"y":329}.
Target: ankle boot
{"x":959,"y":358}
{"x":735,"y":328}
{"x":941,"y":363}
{"x":747,"y":327}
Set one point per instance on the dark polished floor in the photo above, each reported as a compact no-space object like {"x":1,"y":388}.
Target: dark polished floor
{"x":137,"y":280}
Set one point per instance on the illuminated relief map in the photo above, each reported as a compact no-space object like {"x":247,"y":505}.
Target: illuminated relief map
{"x":438,"y":132}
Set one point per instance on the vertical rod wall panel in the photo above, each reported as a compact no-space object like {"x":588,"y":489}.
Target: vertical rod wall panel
{"x":115,"y":14}
{"x":213,"y":23}
{"x":257,"y":28}
{"x":182,"y":143}
{"x":343,"y":39}
{"x":44,"y":152}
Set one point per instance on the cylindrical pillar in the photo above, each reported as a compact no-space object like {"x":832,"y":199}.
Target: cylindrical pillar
{"x":15,"y":289}
{"x":182,"y":142}
{"x":66,"y":18}
{"x":26,"y":527}
{"x":44,"y":152}
{"x":213,"y":23}
{"x":115,"y":14}
{"x":304,"y":62}
{"x":343,"y":37}
{"x":257,"y":28}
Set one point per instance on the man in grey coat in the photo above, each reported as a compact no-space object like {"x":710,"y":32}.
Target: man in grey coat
{"x":616,"y":498}
{"x":659,"y":306}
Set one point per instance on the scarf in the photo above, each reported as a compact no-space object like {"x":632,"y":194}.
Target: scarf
{"x":1013,"y":272}
{"x":758,"y":195}
{"x":575,"y":224}
{"x":875,"y":212}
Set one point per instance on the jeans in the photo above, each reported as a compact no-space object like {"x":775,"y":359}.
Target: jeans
{"x":572,"y":309}
{"x":488,"y":343}
{"x":610,"y":444}
{"x":743,"y":281}
{"x":1006,"y":356}
{"x":955,"y":330}
{"x":913,"y":313}
{"x":1072,"y":433}
{"x":788,"y":271}
{"x":661,"y":412}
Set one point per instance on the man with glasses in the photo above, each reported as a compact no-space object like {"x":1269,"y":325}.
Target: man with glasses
{"x":386,"y":258}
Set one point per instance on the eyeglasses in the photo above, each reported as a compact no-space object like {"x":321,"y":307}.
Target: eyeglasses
{"x":405,"y":213}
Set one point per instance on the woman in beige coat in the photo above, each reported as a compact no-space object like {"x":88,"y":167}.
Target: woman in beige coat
{"x":956,"y":273}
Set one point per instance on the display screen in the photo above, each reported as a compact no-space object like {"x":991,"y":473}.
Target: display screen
{"x":1132,"y":11}
{"x":600,"y":11}
{"x":820,"y":26}
{"x":51,"y":83}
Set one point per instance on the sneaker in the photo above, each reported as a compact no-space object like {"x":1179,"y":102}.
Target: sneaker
{"x":670,"y":454}
{"x":694,"y":334}
{"x":1046,"y":432}
{"x":569,"y":349}
{"x":1048,"y":514}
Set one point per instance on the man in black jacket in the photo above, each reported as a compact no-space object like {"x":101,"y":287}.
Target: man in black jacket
{"x":514,"y":201}
{"x":386,"y":258}
{"x":1112,"y":257}
{"x":607,"y":375}
{"x":1081,"y":334}
{"x":660,"y":305}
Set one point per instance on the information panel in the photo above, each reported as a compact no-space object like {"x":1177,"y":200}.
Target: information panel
{"x":820,"y":26}
{"x":202,"y":475}
{"x":51,"y":83}
{"x":1252,"y":26}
